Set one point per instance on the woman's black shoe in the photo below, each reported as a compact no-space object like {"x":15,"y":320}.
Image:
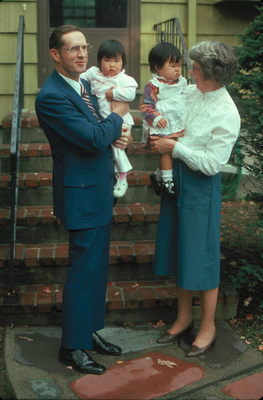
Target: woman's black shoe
{"x":195,"y":351}
{"x":171,"y":338}
{"x":100,"y":345}
{"x":80,"y":360}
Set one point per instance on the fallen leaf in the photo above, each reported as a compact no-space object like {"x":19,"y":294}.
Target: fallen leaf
{"x":249,"y":317}
{"x":260,"y":347}
{"x":247,"y":301}
{"x":167,"y":363}
{"x":27,"y":339}
{"x":158,"y":324}
{"x":46,"y":290}
{"x":232,"y":321}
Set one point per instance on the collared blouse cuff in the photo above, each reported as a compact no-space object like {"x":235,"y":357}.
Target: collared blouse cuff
{"x":181,"y":151}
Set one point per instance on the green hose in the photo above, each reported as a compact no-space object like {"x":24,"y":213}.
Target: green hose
{"x":230,"y":185}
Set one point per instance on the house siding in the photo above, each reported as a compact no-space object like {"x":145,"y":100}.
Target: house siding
{"x":216,"y":22}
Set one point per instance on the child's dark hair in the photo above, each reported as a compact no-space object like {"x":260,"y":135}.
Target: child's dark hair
{"x":110,"y":48}
{"x":161,"y":53}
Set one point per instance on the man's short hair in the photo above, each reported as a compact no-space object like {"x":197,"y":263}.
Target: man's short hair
{"x":55,"y":39}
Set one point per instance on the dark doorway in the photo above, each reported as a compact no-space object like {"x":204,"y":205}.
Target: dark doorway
{"x":99,"y":20}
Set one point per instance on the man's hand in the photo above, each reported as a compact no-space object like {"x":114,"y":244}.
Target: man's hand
{"x":123,"y":141}
{"x":119,"y":107}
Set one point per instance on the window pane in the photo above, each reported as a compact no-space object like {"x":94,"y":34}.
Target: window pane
{"x":89,"y":13}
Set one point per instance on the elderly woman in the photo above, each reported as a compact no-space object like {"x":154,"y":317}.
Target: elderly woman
{"x":188,"y":238}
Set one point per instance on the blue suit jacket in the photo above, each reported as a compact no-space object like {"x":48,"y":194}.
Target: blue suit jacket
{"x":83,"y":165}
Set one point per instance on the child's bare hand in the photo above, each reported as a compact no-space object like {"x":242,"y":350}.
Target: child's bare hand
{"x":162,"y":123}
{"x":109,"y":95}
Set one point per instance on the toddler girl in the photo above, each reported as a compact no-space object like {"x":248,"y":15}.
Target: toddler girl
{"x":109,"y":82}
{"x":164,"y":107}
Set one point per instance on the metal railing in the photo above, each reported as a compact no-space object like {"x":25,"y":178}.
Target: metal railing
{"x":170,"y":31}
{"x":18,"y":103}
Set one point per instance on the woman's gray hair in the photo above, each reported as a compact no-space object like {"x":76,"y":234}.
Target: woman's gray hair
{"x":218,"y":60}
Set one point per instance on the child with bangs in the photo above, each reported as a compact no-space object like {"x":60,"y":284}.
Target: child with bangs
{"x":110,"y":82}
{"x":164,"y":108}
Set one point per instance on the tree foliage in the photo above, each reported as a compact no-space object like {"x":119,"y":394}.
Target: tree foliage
{"x":247,"y":90}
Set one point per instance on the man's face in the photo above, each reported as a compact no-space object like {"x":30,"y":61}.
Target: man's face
{"x":71,"y":59}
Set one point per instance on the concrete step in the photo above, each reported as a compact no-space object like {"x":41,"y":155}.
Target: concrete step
{"x":35,"y":189}
{"x":37,"y":224}
{"x":36,"y":157}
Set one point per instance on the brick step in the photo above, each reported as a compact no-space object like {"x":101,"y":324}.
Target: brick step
{"x":134,"y":297}
{"x":32,"y":133}
{"x":38,"y":224}
{"x":36,"y":134}
{"x":35,"y":189}
{"x":37,"y":263}
{"x":56,"y":254}
{"x":43,"y":149}
{"x":36,"y":157}
{"x":29,"y":118}
{"x":40,"y":179}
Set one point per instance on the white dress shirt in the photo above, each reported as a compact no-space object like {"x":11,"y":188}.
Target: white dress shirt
{"x":212,"y":128}
{"x":74,"y":84}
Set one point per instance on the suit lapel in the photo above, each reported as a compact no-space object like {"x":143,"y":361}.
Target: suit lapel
{"x":73,"y":95}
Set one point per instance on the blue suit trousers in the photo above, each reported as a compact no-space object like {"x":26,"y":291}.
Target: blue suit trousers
{"x":84,"y":304}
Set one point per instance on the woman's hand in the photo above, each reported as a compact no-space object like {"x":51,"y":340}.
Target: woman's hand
{"x":162,"y":145}
{"x":176,"y":135}
{"x":165,"y":144}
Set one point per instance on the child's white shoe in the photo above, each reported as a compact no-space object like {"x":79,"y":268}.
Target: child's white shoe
{"x":120,"y":188}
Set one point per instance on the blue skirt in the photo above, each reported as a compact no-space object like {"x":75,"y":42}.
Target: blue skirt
{"x":188,"y":236}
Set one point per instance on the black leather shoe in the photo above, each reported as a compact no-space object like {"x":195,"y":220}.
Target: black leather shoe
{"x":100,"y":345}
{"x":171,"y":338}
{"x":80,"y":360}
{"x":169,"y":188}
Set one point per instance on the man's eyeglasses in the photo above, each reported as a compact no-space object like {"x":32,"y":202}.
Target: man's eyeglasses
{"x":86,"y":48}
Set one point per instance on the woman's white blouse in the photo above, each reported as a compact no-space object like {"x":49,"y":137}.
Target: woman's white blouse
{"x":212,"y":128}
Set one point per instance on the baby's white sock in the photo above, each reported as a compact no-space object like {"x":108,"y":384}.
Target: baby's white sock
{"x":167,"y":175}
{"x":158,"y":174}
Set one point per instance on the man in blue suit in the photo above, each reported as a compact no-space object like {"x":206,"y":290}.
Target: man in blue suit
{"x":83,"y":178}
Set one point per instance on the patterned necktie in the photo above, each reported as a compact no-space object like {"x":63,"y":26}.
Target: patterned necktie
{"x":86,"y":98}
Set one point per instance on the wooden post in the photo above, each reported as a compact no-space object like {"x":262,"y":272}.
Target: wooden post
{"x":191,"y":23}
